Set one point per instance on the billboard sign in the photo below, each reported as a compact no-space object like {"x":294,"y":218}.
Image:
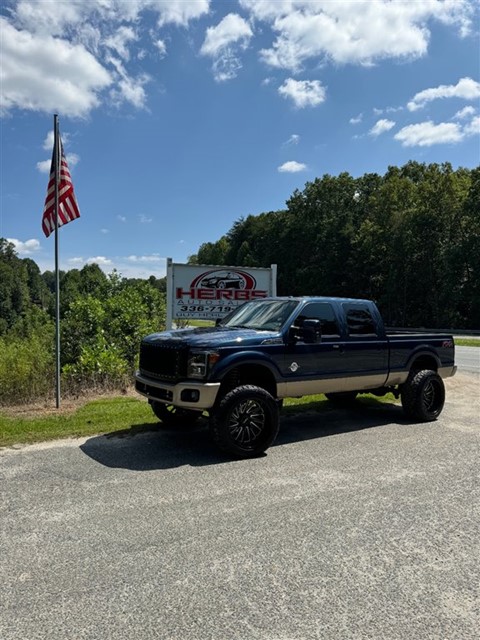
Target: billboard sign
{"x":209,"y":292}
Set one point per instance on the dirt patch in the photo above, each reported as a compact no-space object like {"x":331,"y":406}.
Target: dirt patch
{"x":67,"y":406}
{"x":464,"y":387}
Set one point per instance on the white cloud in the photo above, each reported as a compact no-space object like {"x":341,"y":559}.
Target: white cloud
{"x":77,"y":260}
{"x":120,"y":40}
{"x":304,"y":93}
{"x":466,"y":88}
{"x":121,"y":218}
{"x":466,"y":112}
{"x":161,"y":47}
{"x":231,"y":29}
{"x":41,"y":73}
{"x":352,"y":31}
{"x":25,"y":248}
{"x":44,"y":166}
{"x":100,"y":260}
{"x":104,"y":230}
{"x":150,"y":259}
{"x":179,"y":12}
{"x":292,"y":166}
{"x":357,"y":119}
{"x":473,"y":127}
{"x":381,"y":126}
{"x":128,"y":89}
{"x":144,"y":219}
{"x":223,"y":43}
{"x":294,"y":139}
{"x":48,"y":142}
{"x":54,"y":17}
{"x":72,"y":159}
{"x":426,"y":134}
{"x":54,"y":54}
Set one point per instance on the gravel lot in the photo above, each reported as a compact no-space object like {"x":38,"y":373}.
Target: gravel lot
{"x":354,"y":525}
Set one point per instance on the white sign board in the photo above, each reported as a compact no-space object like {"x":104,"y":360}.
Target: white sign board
{"x":209,"y":292}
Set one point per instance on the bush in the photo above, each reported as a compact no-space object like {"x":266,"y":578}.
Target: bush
{"x":98,"y":367}
{"x":27,"y":369}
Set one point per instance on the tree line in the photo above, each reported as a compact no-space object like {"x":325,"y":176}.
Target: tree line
{"x":410,"y":240}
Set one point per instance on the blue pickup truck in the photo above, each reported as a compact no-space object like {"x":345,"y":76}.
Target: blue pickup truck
{"x":240,"y":370}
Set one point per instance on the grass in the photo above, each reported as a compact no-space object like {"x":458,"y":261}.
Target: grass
{"x":119,"y":414}
{"x":98,"y":416}
{"x":467,"y":342}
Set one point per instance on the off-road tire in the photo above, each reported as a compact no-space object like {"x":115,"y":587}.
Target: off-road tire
{"x":245,"y":422}
{"x":423,"y":396}
{"x":173,"y":416}
{"x":342,"y":398}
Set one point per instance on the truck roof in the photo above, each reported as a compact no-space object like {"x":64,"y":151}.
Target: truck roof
{"x":316,"y":298}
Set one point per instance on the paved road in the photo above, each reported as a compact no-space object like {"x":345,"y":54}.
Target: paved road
{"x":468,"y":359}
{"x":355,"y":525}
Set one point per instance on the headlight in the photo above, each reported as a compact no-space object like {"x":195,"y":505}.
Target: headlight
{"x":199,"y":363}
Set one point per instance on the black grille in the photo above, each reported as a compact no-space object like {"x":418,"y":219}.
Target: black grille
{"x":163,"y":361}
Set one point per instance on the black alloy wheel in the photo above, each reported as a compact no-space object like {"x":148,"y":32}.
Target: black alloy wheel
{"x":245,"y":422}
{"x":423,"y":395}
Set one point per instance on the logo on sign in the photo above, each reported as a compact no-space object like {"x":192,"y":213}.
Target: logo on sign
{"x":224,"y":280}
{"x":222,"y":284}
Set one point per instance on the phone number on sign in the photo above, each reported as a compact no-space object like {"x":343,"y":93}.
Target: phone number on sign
{"x":199,"y":308}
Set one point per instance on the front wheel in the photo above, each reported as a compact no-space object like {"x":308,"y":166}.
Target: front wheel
{"x":245,"y":422}
{"x":423,"y":396}
{"x":173,"y":416}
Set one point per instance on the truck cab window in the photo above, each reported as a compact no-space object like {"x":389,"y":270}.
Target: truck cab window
{"x":319,"y":311}
{"x":359,"y":320}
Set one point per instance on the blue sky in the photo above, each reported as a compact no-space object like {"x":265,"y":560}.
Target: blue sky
{"x":179,"y":117}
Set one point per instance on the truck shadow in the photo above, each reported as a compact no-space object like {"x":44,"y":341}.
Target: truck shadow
{"x":150,"y":446}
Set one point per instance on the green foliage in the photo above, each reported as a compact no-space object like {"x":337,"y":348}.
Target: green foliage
{"x":27,"y":368}
{"x":14,"y":293}
{"x":98,"y":365}
{"x":101,"y":338}
{"x":103,"y":319}
{"x":122,"y":415}
{"x":130,"y":314}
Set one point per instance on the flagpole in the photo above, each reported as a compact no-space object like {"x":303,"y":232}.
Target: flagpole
{"x":56,"y":147}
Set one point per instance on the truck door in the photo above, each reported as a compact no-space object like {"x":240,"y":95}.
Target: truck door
{"x":365,"y":346}
{"x":315,"y":368}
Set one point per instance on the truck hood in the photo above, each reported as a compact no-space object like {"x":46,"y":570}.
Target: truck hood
{"x":211,"y":337}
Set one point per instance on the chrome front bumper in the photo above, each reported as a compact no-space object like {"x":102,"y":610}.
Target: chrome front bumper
{"x":182,"y":394}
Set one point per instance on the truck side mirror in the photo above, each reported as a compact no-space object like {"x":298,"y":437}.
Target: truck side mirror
{"x":312,"y":331}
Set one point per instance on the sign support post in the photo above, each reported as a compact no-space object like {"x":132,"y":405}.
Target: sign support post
{"x":170,"y":295}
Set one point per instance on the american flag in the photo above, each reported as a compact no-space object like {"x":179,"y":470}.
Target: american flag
{"x":67,"y":203}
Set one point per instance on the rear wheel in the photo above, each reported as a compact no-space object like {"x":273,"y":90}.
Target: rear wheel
{"x":174,"y":416}
{"x":245,"y":422}
{"x":423,"y":395}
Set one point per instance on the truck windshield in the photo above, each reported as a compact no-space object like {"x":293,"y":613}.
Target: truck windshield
{"x":268,"y":315}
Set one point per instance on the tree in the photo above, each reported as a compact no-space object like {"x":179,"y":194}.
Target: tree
{"x":14,"y":293}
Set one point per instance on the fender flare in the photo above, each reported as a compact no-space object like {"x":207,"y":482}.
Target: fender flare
{"x":244,"y":358}
{"x":422,"y":352}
